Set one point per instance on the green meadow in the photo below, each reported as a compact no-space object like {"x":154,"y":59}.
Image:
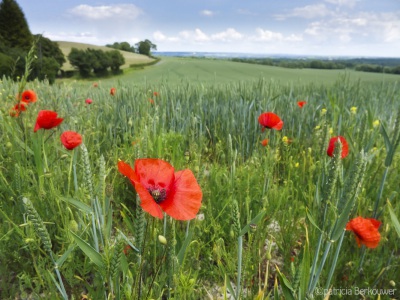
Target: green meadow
{"x":175,"y":70}
{"x":273,"y":217}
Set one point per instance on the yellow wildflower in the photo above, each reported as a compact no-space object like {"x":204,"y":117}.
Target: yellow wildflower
{"x":376,"y":123}
{"x":353,"y":110}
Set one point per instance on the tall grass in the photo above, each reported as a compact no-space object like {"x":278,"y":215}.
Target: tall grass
{"x":290,"y":208}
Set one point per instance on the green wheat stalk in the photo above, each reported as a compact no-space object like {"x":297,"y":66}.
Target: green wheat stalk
{"x":34,"y":217}
{"x":170,"y":256}
{"x":88,"y":172}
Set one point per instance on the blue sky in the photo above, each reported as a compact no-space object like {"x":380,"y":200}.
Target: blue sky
{"x":303,"y":27}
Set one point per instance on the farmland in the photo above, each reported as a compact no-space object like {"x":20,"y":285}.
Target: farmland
{"x":274,"y":205}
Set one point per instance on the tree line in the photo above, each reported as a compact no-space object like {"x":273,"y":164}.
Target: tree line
{"x":142,"y":47}
{"x":378,"y":65}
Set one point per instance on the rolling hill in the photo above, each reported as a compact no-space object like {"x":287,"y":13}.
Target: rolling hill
{"x":130,"y":58}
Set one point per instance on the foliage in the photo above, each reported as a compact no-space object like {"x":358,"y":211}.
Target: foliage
{"x":95,"y":60}
{"x":15,"y":41}
{"x":124,"y":46}
{"x":145,"y":47}
{"x":13,"y":26}
{"x":377,"y":65}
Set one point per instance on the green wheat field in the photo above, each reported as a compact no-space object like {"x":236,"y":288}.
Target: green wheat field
{"x":272,"y":219}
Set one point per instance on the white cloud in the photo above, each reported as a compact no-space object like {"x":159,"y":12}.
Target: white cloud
{"x":160,"y":37}
{"x":271,"y":36}
{"x":348,"y":3}
{"x":227,"y":36}
{"x":378,"y":27}
{"x":207,"y":13}
{"x":124,"y":11}
{"x":311,"y":11}
{"x":197,"y":35}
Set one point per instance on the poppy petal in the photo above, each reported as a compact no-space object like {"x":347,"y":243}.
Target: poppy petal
{"x":185,"y":200}
{"x":126,"y":170}
{"x":146,"y":200}
{"x":270,"y":120}
{"x":366,"y":231}
{"x":28,"y":96}
{"x":154,"y":173}
{"x":71,"y":139}
{"x":331,"y":146}
{"x":47,"y":119}
{"x":375,"y":223}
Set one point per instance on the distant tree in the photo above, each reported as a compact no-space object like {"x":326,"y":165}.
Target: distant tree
{"x":81,"y":60}
{"x":13,"y":26}
{"x":117,"y":60}
{"x":145,"y":47}
{"x":45,"y":68}
{"x":95,"y":60}
{"x":48,"y":48}
{"x":100,"y":61}
{"x":6,"y":63}
{"x":124,"y":46}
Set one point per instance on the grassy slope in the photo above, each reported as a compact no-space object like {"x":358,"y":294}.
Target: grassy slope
{"x":130,"y":58}
{"x":176,"y":70}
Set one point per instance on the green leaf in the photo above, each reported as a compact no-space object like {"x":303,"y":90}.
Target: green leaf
{"x":395,"y":221}
{"x":78,"y":204}
{"x":254,"y":221}
{"x":286,"y":286}
{"x":276,"y":289}
{"x":62,"y":259}
{"x":90,"y":252}
{"x":229,"y":287}
{"x":305,"y":269}
{"x":127,"y":240}
{"x":311,"y":219}
{"x":182,"y":251}
{"x":386,"y":138}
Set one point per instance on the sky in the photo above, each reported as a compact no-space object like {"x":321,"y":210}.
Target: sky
{"x":296,"y":27}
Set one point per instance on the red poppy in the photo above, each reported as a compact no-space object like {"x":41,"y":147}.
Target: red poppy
{"x":28,"y":96}
{"x":88,"y":101}
{"x":95,"y":84}
{"x":156,"y":94}
{"x":264,"y":142}
{"x":270,"y":120}
{"x":160,"y":188}
{"x":331,"y":147}
{"x":71,"y":139}
{"x":126,"y":250}
{"x":366,"y":231}
{"x":17,"y":109}
{"x":151,"y":101}
{"x":301,"y":103}
{"x":113,"y":91}
{"x":47,"y":119}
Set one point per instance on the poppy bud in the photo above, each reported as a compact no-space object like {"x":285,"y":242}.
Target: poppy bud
{"x":162,"y":239}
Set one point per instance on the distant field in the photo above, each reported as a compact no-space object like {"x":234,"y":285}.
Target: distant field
{"x":130,"y":58}
{"x":174,"y":70}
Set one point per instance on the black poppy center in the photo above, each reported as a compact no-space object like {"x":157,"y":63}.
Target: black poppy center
{"x":158,"y":195}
